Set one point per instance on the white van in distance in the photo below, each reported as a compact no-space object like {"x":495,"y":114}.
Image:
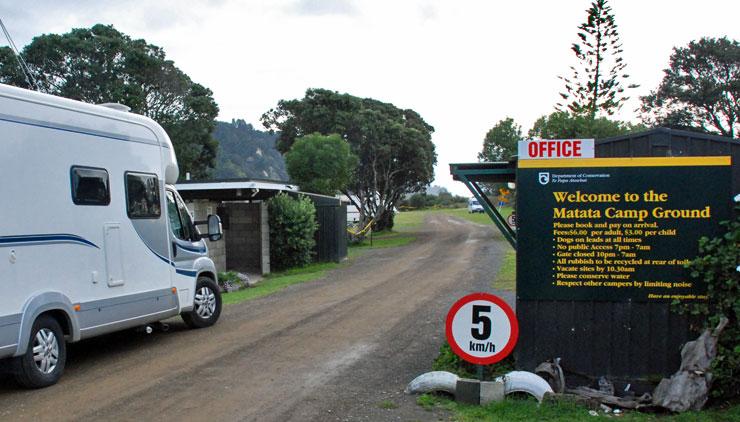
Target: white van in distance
{"x":474,"y":206}
{"x":94,"y":238}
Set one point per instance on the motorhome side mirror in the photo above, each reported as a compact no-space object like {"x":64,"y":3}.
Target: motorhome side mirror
{"x":214,"y":228}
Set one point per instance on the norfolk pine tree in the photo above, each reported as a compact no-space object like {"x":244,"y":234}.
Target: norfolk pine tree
{"x":596,"y":84}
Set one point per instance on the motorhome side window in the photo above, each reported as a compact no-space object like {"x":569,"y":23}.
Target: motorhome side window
{"x":180,"y":221}
{"x":89,"y":186}
{"x":142,"y":195}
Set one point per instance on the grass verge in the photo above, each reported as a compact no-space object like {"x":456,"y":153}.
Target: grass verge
{"x":384,"y":240}
{"x":527,"y":409}
{"x":278,"y":281}
{"x":506,"y":277}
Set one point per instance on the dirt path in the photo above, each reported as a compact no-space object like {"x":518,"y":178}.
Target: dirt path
{"x":341,"y":348}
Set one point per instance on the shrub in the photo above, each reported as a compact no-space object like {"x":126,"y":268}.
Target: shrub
{"x":448,"y":361}
{"x":292,"y":229}
{"x":717,"y":266}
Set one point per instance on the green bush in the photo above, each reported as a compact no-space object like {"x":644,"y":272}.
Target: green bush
{"x":448,"y":361}
{"x":717,"y":266}
{"x":292,"y":229}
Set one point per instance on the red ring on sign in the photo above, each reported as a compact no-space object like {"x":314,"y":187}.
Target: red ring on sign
{"x":509,"y":314}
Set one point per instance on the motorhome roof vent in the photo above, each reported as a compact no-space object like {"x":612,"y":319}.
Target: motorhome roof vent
{"x":116,"y":106}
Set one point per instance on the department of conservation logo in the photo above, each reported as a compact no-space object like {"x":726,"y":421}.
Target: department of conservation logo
{"x":544,"y":178}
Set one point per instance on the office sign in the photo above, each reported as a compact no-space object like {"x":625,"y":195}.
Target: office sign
{"x":551,"y":149}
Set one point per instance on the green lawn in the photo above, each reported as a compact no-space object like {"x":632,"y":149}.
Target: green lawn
{"x":480,"y":218}
{"x":524,"y":409}
{"x":279,"y":280}
{"x":404,"y":224}
{"x":409,"y":220}
{"x":384,"y":240}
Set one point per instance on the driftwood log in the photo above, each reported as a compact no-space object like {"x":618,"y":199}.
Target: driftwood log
{"x":611,"y":400}
{"x":688,"y":388}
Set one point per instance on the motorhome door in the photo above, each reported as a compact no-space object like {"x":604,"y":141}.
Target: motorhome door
{"x":187,"y":246}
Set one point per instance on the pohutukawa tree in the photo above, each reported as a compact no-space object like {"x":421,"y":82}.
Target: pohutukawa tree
{"x":501,"y":140}
{"x":321,"y":164}
{"x":700,"y":89}
{"x":597,"y":82}
{"x":394,"y":146}
{"x":101,"y":65}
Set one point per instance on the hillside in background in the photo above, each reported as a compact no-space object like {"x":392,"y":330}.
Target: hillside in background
{"x":245,"y":152}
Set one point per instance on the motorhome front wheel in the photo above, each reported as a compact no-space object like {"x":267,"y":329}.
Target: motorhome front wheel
{"x":206,"y":304}
{"x":43,"y":363}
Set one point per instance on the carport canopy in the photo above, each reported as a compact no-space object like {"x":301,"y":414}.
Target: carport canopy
{"x":473,"y":174}
{"x":233,"y":189}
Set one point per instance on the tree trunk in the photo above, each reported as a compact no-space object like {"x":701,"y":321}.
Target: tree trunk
{"x":384,"y":221}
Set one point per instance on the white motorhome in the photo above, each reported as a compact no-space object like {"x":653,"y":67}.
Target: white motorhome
{"x":94,"y":238}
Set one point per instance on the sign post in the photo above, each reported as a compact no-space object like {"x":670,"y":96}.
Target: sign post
{"x":482,"y":329}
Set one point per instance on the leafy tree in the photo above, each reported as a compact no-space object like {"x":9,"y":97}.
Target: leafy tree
{"x":101,"y":64}
{"x":394,"y":147}
{"x":563,"y":125}
{"x":501,"y":140}
{"x":321,"y":164}
{"x":700,"y":89}
{"x":292,"y":228}
{"x":320,"y":111}
{"x":596,"y":82}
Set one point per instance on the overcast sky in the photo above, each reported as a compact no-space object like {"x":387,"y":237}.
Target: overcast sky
{"x":462,"y":64}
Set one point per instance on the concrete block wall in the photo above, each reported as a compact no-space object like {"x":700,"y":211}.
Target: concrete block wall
{"x":265,"y":237}
{"x":248,"y":244}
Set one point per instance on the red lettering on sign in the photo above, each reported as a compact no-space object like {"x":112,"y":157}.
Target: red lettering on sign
{"x":555,"y":149}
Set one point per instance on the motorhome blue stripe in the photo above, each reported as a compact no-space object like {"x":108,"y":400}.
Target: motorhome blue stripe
{"x":72,"y":129}
{"x":181,"y":271}
{"x":44,"y":239}
{"x":192,"y":249}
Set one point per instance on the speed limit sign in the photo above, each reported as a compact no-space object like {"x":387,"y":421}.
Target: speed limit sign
{"x":481,"y":328}
{"x":511,"y":220}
